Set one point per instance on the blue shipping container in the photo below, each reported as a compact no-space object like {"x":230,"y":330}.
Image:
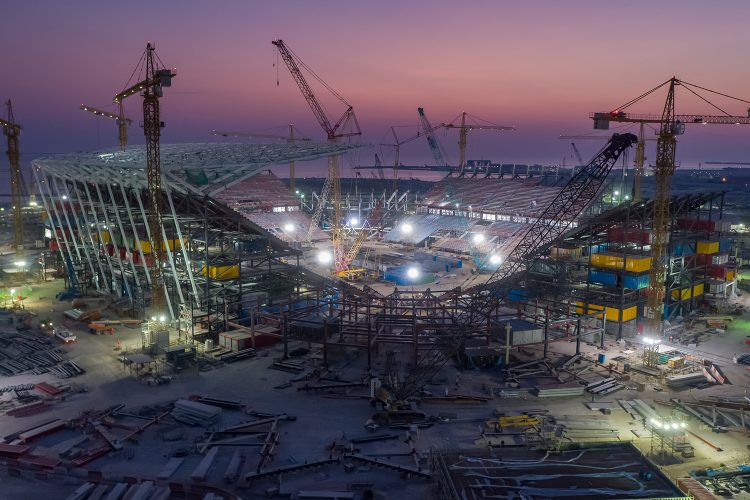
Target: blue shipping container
{"x":635,"y":281}
{"x":724,"y":245}
{"x":602,"y":277}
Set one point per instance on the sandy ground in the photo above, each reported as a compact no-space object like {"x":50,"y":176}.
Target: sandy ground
{"x":325,"y":418}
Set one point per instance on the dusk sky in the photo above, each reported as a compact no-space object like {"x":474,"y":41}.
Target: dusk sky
{"x":541,"y":66}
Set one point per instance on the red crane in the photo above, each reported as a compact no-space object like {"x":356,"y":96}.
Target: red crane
{"x":333,"y":132}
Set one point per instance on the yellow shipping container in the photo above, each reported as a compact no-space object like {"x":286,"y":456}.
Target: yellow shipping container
{"x":633,"y":263}
{"x":611,"y":313}
{"x":730,"y":275}
{"x":707,"y":247}
{"x":684,"y":293}
{"x":106,"y":238}
{"x":172,"y":244}
{"x":222,"y":272}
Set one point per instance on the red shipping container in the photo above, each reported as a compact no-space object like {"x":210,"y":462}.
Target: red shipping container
{"x":136,"y":257}
{"x":695,"y":224}
{"x":123,"y":253}
{"x":110,"y":249}
{"x":630,"y":235}
{"x":54,"y":246}
{"x":149,"y":260}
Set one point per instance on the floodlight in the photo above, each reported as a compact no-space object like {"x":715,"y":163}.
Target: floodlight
{"x":495,"y":259}
{"x":325,"y":257}
{"x":412,"y":273}
{"x":289,"y":227}
{"x":478,"y":238}
{"x":407,"y":228}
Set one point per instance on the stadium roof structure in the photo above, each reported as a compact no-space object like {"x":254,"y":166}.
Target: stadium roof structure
{"x":201,"y":168}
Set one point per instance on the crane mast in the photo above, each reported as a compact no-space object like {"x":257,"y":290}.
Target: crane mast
{"x":151,"y":90}
{"x":12,"y":130}
{"x":464,"y":128}
{"x":663,"y":171}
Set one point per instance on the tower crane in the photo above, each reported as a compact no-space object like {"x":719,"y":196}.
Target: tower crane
{"x":333,"y":133}
{"x":12,"y":130}
{"x":292,"y":137}
{"x":463,"y":132}
{"x":156,"y":78}
{"x":397,"y":150}
{"x":429,"y":132}
{"x":122,"y":121}
{"x":577,"y":153}
{"x":640,"y":155}
{"x":670,"y":125}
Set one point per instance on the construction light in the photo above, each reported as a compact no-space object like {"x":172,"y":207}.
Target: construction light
{"x":675,"y":425}
{"x":20,"y":263}
{"x":617,"y":193}
{"x":353,"y":221}
{"x":478,"y":238}
{"x":161,"y":318}
{"x":153,"y":318}
{"x":412,"y":273}
{"x":12,"y":291}
{"x":289,"y":227}
{"x":495,"y":259}
{"x":683,"y":424}
{"x":65,"y":197}
{"x":325,"y":257}
{"x":406,"y":228}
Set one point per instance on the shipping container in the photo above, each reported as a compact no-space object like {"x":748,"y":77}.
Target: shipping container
{"x":714,"y":259}
{"x":566,"y":252}
{"x":723,"y":272}
{"x":632,"y":263}
{"x":222,"y":272}
{"x":688,"y":292}
{"x":716,"y":286}
{"x":635,"y":281}
{"x":145,"y":245}
{"x":629,"y":235}
{"x":688,"y":224}
{"x":611,"y":313}
{"x":707,"y":247}
{"x":725,"y":245}
{"x":682,"y":248}
{"x":602,"y":277}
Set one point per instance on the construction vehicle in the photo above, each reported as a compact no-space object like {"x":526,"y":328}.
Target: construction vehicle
{"x":64,"y":334}
{"x":122,"y":122}
{"x":429,"y":131}
{"x":463,"y":132}
{"x":151,"y":88}
{"x":334,"y":132}
{"x":292,"y":137}
{"x":12,"y":130}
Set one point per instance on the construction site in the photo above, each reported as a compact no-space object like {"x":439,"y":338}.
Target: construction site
{"x":183,"y":321}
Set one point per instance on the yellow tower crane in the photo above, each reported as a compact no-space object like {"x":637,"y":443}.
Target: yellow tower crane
{"x":670,"y":125}
{"x":12,"y":130}
{"x":150,"y":87}
{"x":463,"y":132}
{"x":122,"y":122}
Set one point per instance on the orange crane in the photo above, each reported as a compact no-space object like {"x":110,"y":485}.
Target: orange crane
{"x":670,"y":125}
{"x":463,"y":133}
{"x":333,"y":133}
{"x":156,"y":78}
{"x":291,"y":138}
{"x":12,"y":130}
{"x":122,"y":122}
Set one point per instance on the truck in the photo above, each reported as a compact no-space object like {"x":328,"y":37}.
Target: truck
{"x":64,"y":334}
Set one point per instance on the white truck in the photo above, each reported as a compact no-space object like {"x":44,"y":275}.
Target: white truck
{"x":64,"y":334}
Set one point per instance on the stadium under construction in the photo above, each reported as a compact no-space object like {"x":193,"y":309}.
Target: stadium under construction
{"x":500,"y":283}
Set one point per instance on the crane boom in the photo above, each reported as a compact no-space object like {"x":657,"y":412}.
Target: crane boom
{"x":554,"y":220}
{"x":464,"y":129}
{"x":122,"y":121}
{"x":429,"y":132}
{"x":12,"y":130}
{"x":333,"y":132}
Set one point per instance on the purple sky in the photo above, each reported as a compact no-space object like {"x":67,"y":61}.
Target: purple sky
{"x":539,"y":65}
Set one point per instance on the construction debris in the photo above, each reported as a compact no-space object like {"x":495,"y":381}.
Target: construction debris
{"x":193,"y":413}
